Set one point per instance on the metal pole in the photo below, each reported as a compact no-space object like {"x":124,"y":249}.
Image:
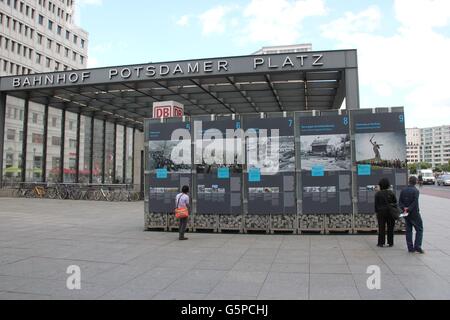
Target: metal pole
{"x":44,"y":141}
{"x":104,"y":152}
{"x":124,"y":169}
{"x":24,"y":139}
{"x":114,"y":153}
{"x":2,"y":132}
{"x":63,"y":138}
{"x":132,"y":157}
{"x":77,"y":159}
{"x":91,"y":155}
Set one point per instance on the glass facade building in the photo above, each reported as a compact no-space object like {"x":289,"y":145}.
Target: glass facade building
{"x":44,"y":144}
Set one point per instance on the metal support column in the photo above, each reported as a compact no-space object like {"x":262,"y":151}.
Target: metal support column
{"x":63,"y":140}
{"x":104,"y":151}
{"x":77,"y":159}
{"x":124,"y":175}
{"x":132,"y":157}
{"x":24,"y":140}
{"x":2,"y":132}
{"x":352,"y":89}
{"x":91,"y":155}
{"x":44,"y":141}
{"x":114,"y":154}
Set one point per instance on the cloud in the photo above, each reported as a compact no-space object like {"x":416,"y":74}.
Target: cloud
{"x":279,"y":21}
{"x":413,"y":60}
{"x":213,"y":20}
{"x":183,"y":21}
{"x":269,"y":21}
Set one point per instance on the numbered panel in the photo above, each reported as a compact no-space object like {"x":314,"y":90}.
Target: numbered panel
{"x":169,"y":163}
{"x":380,"y":152}
{"x":270,"y":153}
{"x":325,"y":156}
{"x":219,"y":167}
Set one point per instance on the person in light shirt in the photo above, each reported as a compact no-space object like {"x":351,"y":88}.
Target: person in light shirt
{"x":182,"y":201}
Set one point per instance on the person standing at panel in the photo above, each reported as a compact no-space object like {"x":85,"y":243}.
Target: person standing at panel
{"x":383,"y":199}
{"x":182,"y":201}
{"x":409,"y":203}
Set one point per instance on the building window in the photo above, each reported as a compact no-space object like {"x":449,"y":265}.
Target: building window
{"x":37,"y":138}
{"x":41,"y":19}
{"x":11,"y":134}
{"x":56,"y":141}
{"x":50,"y":24}
{"x":59,"y":30}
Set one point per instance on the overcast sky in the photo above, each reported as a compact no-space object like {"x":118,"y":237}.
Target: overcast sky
{"x":403,"y":45}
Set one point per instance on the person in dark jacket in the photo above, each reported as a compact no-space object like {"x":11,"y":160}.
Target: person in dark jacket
{"x":382,"y":200}
{"x":409,"y":202}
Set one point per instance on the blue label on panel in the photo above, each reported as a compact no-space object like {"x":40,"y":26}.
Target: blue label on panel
{"x":161,"y":173}
{"x":364,"y":170}
{"x":318,"y":171}
{"x":254,"y":175}
{"x":223,"y":173}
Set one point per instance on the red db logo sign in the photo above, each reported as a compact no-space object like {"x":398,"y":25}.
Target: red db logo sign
{"x":169,"y":109}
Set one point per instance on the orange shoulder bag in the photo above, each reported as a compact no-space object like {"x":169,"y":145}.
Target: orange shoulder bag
{"x":181,"y":213}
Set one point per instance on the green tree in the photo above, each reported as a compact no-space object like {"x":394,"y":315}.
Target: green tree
{"x":412,"y":168}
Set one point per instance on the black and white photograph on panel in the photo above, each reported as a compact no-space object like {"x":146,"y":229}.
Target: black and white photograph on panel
{"x":332,"y":152}
{"x":381,"y":149}
{"x":270,"y":144}
{"x":169,"y":147}
{"x":218,"y":150}
{"x":170,"y":155}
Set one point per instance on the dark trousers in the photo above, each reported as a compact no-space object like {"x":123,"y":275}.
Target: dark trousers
{"x":183,"y":225}
{"x":417,"y":224}
{"x":383,"y":221}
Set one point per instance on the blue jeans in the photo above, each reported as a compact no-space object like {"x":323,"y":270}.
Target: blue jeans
{"x":417,"y":224}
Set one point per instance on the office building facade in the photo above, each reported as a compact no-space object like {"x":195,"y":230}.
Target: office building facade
{"x":435,"y":147}
{"x":431,"y":145}
{"x":413,"y":145}
{"x":40,"y":36}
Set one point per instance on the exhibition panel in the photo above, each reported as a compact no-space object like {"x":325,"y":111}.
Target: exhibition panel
{"x":168,"y":163}
{"x":270,"y":154}
{"x":218,"y":169}
{"x":380,"y":152}
{"x":325,"y":156}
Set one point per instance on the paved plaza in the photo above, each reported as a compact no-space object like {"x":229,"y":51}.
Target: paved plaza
{"x":40,"y":239}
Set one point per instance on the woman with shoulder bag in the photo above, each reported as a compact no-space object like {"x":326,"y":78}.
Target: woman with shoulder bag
{"x":182,"y":210}
{"x":387,"y":212}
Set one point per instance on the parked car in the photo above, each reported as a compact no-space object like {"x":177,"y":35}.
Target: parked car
{"x":443,"y":180}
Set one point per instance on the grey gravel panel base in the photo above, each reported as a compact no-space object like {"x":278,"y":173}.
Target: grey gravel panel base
{"x":311,"y":223}
{"x":257,"y":223}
